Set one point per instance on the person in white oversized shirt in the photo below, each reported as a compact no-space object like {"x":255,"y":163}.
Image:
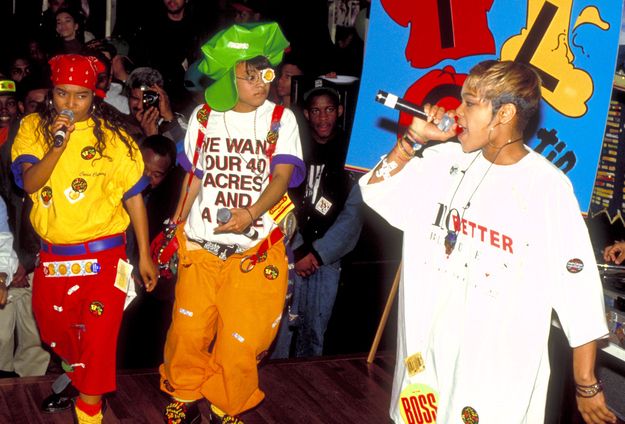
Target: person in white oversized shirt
{"x":494,"y":241}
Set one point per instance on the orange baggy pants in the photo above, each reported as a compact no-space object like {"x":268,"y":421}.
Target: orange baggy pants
{"x":239,"y":312}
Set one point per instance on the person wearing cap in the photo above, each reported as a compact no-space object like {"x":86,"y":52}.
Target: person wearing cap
{"x":247,"y":11}
{"x":232,"y":273}
{"x":9,"y":112}
{"x":84,"y":175}
{"x":106,"y":52}
{"x":329,"y":216}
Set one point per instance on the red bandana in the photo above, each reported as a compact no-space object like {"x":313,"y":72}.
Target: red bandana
{"x":77,"y":70}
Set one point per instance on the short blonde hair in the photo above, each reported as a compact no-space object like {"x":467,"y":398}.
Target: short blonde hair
{"x":502,"y":82}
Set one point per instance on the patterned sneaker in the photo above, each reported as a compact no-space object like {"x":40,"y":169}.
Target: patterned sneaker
{"x":182,"y":413}
{"x":229,"y":419}
{"x":220,"y":417}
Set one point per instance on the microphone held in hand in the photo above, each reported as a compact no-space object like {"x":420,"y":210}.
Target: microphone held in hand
{"x":224,"y":215}
{"x":394,"y":102}
{"x":61,"y":133}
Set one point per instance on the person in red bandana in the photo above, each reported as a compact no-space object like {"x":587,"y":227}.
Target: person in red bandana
{"x":84,"y":175}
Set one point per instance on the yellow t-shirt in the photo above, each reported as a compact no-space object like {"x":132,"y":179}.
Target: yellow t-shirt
{"x":82,"y":199}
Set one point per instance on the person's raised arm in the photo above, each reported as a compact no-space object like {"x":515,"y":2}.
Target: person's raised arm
{"x":420,"y":132}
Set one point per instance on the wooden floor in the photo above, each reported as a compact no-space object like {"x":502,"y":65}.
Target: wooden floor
{"x":327,"y":390}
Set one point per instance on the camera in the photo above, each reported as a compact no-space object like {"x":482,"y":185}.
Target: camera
{"x":150,"y":98}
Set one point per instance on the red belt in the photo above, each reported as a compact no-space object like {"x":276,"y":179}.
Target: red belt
{"x":249,"y":262}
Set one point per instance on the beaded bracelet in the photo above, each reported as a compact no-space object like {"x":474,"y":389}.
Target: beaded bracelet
{"x":589,"y":391}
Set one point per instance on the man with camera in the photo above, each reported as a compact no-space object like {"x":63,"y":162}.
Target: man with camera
{"x":149,"y":105}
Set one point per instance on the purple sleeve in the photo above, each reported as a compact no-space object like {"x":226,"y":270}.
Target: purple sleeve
{"x":16,"y":168}
{"x":299,"y":170}
{"x":137,"y":188}
{"x":184,"y":162}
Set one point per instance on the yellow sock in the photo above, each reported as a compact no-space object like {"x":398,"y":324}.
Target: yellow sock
{"x":84,"y":418}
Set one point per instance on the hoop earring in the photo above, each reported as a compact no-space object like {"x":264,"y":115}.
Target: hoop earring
{"x":50,"y":102}
{"x":92,"y":108}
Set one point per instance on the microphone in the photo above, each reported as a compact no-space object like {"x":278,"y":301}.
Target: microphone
{"x":224,"y":215}
{"x":394,"y":102}
{"x":61,"y":133}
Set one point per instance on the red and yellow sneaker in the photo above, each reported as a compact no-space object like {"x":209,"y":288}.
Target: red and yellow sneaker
{"x":220,"y":417}
{"x":182,"y":413}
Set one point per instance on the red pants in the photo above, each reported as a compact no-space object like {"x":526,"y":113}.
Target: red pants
{"x":79,"y":317}
{"x":240,"y":312}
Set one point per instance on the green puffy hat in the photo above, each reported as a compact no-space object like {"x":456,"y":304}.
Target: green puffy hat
{"x":232,"y":45}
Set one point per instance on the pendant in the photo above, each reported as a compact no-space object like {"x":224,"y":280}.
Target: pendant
{"x":450,"y":241}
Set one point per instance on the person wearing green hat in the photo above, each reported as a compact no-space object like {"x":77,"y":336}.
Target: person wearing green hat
{"x":242,"y":153}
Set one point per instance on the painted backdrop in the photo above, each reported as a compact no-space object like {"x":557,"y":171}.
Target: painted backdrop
{"x":422,"y":50}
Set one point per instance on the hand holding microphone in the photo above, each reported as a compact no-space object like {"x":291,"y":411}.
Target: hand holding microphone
{"x":394,"y":102}
{"x":420,"y":131}
{"x":224,"y":215}
{"x":66,"y":119}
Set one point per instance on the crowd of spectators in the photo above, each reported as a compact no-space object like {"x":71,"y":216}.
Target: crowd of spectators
{"x":152,"y":83}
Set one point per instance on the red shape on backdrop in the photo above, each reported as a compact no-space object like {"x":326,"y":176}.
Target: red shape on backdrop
{"x":443,"y":29}
{"x":439,"y":86}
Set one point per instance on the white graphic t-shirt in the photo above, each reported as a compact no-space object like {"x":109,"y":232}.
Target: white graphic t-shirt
{"x":473,"y":325}
{"x":234,"y":167}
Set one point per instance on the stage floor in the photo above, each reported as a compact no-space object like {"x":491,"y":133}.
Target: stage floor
{"x":341,"y":390}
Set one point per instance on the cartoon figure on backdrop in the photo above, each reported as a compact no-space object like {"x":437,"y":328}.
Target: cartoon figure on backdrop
{"x":452,"y":32}
{"x":242,"y":152}
{"x":329,"y":216}
{"x":84,"y":176}
{"x":566,"y":87}
{"x":502,"y":230}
